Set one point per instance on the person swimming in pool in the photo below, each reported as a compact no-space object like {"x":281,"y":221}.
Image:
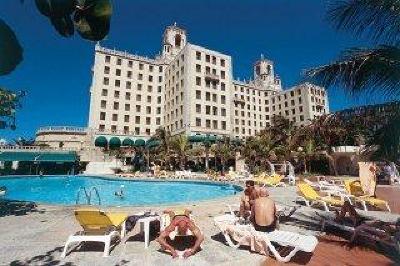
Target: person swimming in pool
{"x":180,"y":220}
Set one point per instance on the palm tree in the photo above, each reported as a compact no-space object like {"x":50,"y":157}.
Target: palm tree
{"x":180,"y":145}
{"x":367,"y":69}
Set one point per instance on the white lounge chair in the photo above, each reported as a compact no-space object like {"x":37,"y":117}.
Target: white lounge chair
{"x":284,"y":238}
{"x":247,"y":235}
{"x":98,"y":226}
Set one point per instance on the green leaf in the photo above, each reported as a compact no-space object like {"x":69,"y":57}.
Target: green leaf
{"x":55,"y":8}
{"x":10,"y":49}
{"x":63,"y":25}
{"x":92,"y":19}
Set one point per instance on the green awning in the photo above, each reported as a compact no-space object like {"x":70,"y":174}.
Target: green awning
{"x":100,"y":142}
{"x":128,"y":142}
{"x":140,"y":143}
{"x":210,"y":138}
{"x":152,"y":143}
{"x":196,"y":138}
{"x":38,"y":156}
{"x":114,"y":142}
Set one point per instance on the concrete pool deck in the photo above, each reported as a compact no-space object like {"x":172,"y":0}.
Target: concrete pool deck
{"x":38,"y":237}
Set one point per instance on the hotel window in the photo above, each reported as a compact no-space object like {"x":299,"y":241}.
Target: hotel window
{"x":301,"y":118}
{"x":208,"y":96}
{"x":113,"y":128}
{"x":222,"y":62}
{"x":137,"y":130}
{"x":104,"y":92}
{"x":223,"y":74}
{"x":116,"y":105}
{"x":101,"y":127}
{"x":106,"y":70}
{"x":126,"y":118}
{"x":149,"y":99}
{"x":160,"y":69}
{"x":138,"y":97}
{"x":116,"y":94}
{"x":128,"y":85}
{"x":139,"y":87}
{"x":159,"y":99}
{"x":151,"y":68}
{"x":127,"y":96}
{"x":102,"y":116}
{"x":208,"y":123}
{"x":137,"y":119}
{"x":119,"y":61}
{"x":300,"y":100}
{"x":198,"y":95}
{"x":215,"y":110}
{"x":198,"y":122}
{"x":118,"y":72}
{"x":159,"y":78}
{"x":103,"y":104}
{"x":223,"y":112}
{"x":130,"y":64}
{"x":148,"y":120}
{"x":148,"y":131}
{"x":223,"y":100}
{"x":198,"y":68}
{"x":208,"y":109}
{"x":159,"y":89}
{"x":158,"y":110}
{"x":301,"y":109}
{"x":158,"y":121}
{"x":115,"y":117}
{"x":198,"y":81}
{"x":106,"y":81}
{"x":129,"y":74}
{"x":214,"y":60}
{"x":223,"y":125}
{"x":149,"y":88}
{"x":150,"y":78}
{"x":215,"y":124}
{"x":140,"y":66}
{"x":148,"y":110}
{"x":292,"y":93}
{"x":207,"y":58}
{"x":198,"y":108}
{"x":126,"y":129}
{"x":214,"y":97}
{"x":140,"y":76}
{"x":198,"y":55}
{"x":108,"y":59}
{"x":117,"y":83}
{"x":127,"y":107}
{"x":222,"y":86}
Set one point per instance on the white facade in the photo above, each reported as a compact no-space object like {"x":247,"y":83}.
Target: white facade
{"x":190,"y":89}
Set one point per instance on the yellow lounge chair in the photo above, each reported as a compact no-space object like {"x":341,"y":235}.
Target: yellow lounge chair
{"x":309,"y":195}
{"x":260,"y":177}
{"x":354,"y":188}
{"x":98,"y":226}
{"x":274,"y":180}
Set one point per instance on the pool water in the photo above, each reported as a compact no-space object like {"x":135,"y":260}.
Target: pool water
{"x":63,"y":190}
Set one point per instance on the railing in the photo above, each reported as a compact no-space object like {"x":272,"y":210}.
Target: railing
{"x":97,"y":193}
{"x":78,"y":195}
{"x":127,"y":55}
{"x":33,"y":148}
{"x":211,"y":76}
{"x":346,"y":149}
{"x":66,"y":129}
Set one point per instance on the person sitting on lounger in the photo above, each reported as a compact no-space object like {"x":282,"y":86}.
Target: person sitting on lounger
{"x":180,"y":220}
{"x":263,"y":212}
{"x":246,"y":201}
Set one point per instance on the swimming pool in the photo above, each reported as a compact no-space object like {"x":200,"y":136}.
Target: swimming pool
{"x":63,"y":190}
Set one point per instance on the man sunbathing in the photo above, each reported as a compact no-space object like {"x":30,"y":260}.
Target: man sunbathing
{"x":246,"y":201}
{"x":263,"y":212}
{"x":180,"y":220}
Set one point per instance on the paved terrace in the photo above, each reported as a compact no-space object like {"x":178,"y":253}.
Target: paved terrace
{"x":37,"y":238}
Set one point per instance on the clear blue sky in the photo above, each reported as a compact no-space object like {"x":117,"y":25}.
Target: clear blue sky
{"x":56,"y":72}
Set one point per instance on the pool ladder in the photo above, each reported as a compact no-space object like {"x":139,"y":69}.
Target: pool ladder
{"x":88,"y":196}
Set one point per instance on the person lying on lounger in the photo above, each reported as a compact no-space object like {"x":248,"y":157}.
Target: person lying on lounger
{"x":385,"y":232}
{"x":246,"y":201}
{"x":180,"y":220}
{"x":263,"y":212}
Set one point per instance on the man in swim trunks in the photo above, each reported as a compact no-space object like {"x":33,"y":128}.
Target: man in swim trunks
{"x":263,"y":212}
{"x":249,"y":195}
{"x":180,"y":219}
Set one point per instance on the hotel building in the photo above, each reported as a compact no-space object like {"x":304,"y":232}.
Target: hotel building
{"x":190,"y":89}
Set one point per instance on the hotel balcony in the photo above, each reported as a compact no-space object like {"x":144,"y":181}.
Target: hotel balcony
{"x":211,"y":76}
{"x":238,"y":100}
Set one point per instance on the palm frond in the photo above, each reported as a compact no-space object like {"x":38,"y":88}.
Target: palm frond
{"x":375,"y":19}
{"x":361,"y":69}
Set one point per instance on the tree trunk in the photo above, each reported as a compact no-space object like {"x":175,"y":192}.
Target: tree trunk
{"x":207,"y":158}
{"x":305,"y":165}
